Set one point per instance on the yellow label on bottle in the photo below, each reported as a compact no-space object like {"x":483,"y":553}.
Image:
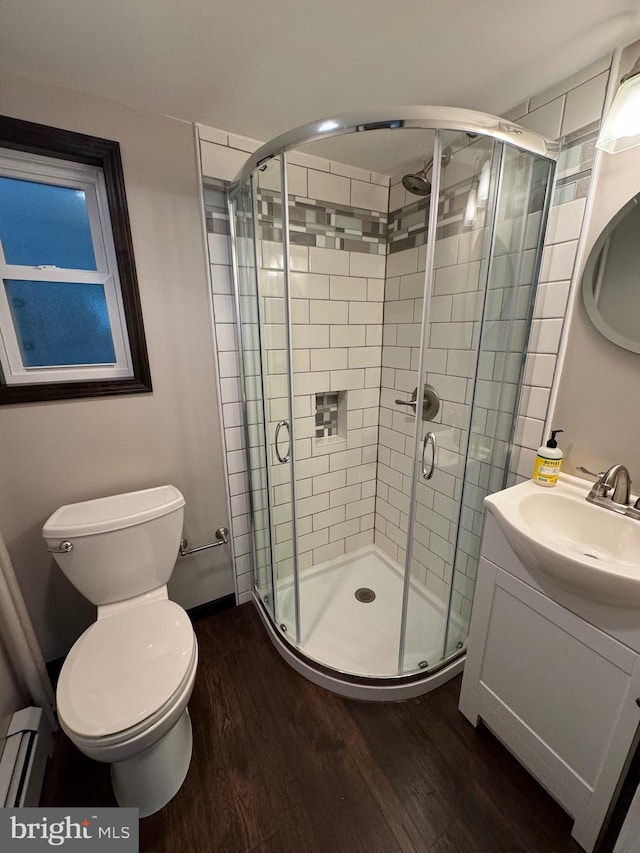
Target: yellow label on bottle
{"x":546,"y":470}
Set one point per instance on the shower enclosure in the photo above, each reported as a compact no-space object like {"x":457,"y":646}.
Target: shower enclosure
{"x":385,"y":270}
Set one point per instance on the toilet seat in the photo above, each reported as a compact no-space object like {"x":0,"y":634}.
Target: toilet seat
{"x":125,"y":672}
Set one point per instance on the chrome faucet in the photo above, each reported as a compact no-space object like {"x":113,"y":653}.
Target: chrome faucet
{"x":617,"y":481}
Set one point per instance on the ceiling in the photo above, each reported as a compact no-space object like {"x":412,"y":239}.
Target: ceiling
{"x":260,"y":67}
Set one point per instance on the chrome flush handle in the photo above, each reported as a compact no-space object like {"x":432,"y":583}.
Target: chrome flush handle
{"x":63,"y":548}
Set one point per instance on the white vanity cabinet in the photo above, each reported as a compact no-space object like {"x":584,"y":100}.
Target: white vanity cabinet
{"x":556,"y":678}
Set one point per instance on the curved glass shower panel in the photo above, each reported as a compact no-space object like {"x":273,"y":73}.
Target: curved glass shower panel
{"x":367,"y":295}
{"x":517,"y":240}
{"x":455,"y":284}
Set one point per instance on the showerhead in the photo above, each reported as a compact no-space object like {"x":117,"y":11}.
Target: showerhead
{"x":419,"y":184}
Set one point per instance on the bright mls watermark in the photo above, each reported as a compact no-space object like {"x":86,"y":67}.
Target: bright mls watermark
{"x":77,"y":829}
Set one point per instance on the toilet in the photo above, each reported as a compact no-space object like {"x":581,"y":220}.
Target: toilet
{"x":124,"y":687}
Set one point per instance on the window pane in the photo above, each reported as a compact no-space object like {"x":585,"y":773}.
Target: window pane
{"x":58,"y":323}
{"x":45,"y":224}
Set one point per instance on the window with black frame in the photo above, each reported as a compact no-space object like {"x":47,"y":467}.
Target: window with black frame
{"x":70,"y":318}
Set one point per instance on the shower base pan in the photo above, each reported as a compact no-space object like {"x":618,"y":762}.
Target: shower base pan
{"x":350,"y":610}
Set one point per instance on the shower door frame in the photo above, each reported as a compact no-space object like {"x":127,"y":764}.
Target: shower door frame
{"x":436,"y":176}
{"x":438,"y":119}
{"x":286,"y":248}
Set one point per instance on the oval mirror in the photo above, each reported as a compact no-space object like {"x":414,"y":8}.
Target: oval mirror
{"x":611,"y":279}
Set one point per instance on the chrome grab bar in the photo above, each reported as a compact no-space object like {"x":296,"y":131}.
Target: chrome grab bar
{"x":279,"y":426}
{"x":429,"y":439}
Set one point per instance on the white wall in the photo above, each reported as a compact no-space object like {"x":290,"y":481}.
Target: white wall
{"x":12,"y":696}
{"x":57,"y":453}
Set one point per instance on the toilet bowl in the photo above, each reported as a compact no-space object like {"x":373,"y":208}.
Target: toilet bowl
{"x":123,"y":689}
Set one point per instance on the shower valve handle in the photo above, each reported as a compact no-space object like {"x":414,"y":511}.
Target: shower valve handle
{"x":430,"y":402}
{"x":411,"y":403}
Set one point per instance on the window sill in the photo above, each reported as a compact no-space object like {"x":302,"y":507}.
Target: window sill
{"x":12,"y":394}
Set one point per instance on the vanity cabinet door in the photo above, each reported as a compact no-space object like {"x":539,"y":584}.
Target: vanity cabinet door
{"x":556,"y":690}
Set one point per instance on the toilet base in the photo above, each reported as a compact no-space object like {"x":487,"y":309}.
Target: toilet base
{"x":149,"y":780}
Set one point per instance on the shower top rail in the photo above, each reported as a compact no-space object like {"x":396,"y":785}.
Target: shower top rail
{"x":421,"y":117}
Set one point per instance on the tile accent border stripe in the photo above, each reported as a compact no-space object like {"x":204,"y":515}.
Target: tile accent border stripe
{"x":322,"y":224}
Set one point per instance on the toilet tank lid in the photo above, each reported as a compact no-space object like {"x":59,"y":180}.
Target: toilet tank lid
{"x":112,"y":513}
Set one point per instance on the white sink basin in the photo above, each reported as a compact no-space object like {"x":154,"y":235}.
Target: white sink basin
{"x":594,"y":551}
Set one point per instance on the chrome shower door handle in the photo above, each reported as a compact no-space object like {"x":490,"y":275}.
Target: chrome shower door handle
{"x":429,"y":439}
{"x":279,"y":426}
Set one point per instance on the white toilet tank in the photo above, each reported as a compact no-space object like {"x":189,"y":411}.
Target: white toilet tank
{"x":121,"y":546}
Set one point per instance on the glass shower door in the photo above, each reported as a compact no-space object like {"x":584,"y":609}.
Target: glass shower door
{"x":256,"y":209}
{"x":480,"y":281}
{"x":274,"y":312}
{"x":521,"y":210}
{"x":243,"y":228}
{"x":457,"y":262}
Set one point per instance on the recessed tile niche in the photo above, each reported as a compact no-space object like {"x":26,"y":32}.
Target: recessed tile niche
{"x":331,"y":417}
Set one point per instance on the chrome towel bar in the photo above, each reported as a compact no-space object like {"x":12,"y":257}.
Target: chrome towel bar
{"x":222,"y":535}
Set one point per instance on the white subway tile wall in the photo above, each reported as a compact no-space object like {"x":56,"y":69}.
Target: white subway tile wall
{"x":340,"y":297}
{"x":337,"y":293}
{"x":228,"y":362}
{"x":580,"y":100}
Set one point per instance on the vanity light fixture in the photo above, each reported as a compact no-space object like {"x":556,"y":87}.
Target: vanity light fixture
{"x":621,"y":128}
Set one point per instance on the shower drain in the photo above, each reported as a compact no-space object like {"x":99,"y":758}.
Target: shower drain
{"x":365,"y":595}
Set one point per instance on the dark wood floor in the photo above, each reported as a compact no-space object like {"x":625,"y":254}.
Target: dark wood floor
{"x":282,"y":766}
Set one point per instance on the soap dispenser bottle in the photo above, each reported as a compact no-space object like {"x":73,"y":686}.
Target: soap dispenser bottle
{"x":548,"y":462}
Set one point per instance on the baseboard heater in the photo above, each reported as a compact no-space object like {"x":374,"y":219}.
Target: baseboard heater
{"x":27,"y":746}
